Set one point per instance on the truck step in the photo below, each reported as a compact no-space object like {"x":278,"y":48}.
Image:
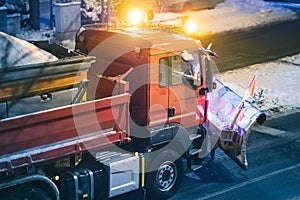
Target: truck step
{"x":195,"y":167}
{"x":194,"y":163}
{"x":193,"y":152}
{"x":195,"y":136}
{"x":226,"y":139}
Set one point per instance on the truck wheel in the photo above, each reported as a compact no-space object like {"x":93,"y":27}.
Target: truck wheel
{"x":31,"y":192}
{"x":166,"y":177}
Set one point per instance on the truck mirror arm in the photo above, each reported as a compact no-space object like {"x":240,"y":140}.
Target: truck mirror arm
{"x":203,"y":91}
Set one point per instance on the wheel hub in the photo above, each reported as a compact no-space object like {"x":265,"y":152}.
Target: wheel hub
{"x":166,"y":176}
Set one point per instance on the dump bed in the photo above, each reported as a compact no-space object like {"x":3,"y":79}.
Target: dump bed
{"x":28,"y":80}
{"x":63,"y":131}
{"x":44,"y":115}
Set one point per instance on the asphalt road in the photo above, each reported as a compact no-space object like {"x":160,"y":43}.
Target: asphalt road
{"x":273,"y":173}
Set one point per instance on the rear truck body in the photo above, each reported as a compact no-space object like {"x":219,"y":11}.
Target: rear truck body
{"x":126,"y":117}
{"x":47,"y":128}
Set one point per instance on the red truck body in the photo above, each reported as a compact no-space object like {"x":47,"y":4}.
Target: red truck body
{"x":63,"y":132}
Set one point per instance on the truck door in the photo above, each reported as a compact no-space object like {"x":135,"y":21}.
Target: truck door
{"x":182,"y":75}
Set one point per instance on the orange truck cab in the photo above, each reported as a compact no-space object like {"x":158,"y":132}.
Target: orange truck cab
{"x":166,"y":72}
{"x":159,"y":69}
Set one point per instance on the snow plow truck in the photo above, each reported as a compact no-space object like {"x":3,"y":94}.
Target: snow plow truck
{"x":120,"y":117}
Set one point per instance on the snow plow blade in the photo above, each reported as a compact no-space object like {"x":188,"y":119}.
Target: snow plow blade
{"x":229,"y":129}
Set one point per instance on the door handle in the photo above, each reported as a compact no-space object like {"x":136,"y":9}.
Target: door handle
{"x":171,"y":112}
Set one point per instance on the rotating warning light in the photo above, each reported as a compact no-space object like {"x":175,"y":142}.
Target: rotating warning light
{"x":135,"y":16}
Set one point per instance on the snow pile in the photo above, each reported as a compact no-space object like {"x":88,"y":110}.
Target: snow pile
{"x":92,"y":8}
{"x":277,"y":89}
{"x":44,"y":34}
{"x":17,"y":52}
{"x":233,"y":15}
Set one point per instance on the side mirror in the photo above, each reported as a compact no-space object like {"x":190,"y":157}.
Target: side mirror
{"x":204,"y":91}
{"x":214,"y":85}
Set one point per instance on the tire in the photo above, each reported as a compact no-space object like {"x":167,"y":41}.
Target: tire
{"x":166,"y":175}
{"x":31,"y":192}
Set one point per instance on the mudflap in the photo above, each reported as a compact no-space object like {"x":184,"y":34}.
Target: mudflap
{"x":234,"y":145}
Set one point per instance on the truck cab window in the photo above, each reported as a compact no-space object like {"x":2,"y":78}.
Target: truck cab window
{"x":163,"y":72}
{"x":170,"y":71}
{"x":180,"y":69}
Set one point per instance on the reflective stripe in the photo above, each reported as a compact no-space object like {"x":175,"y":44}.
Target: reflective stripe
{"x":160,"y":121}
{"x":182,"y":116}
{"x":143,"y":172}
{"x":200,"y":112}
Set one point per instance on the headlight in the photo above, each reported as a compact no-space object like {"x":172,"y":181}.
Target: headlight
{"x":191,"y":26}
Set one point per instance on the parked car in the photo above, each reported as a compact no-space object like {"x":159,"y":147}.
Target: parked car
{"x":186,"y":5}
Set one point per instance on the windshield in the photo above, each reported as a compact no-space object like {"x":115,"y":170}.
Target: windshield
{"x":192,"y":67}
{"x":188,"y":68}
{"x":181,"y":69}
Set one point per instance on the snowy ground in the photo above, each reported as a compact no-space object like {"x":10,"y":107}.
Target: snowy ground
{"x":277,"y":88}
{"x":233,"y":15}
